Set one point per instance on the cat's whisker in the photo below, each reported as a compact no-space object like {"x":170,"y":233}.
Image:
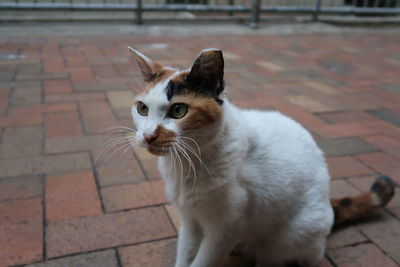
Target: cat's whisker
{"x":109,"y":144}
{"x":190,"y":163}
{"x":190,"y":149}
{"x":112,"y":153}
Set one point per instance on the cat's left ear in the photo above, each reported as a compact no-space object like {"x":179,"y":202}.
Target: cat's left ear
{"x":207,"y":72}
{"x":146,"y":65}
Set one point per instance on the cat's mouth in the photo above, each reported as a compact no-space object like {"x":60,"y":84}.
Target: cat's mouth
{"x":159,"y":150}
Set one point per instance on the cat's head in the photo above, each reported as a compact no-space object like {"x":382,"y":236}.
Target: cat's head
{"x":179,"y":106}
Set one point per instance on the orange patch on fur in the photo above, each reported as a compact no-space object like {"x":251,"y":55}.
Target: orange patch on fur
{"x":165,"y":136}
{"x":351,"y":208}
{"x":202,"y":111}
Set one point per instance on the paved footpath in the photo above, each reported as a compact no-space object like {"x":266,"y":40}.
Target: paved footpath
{"x":58,"y":92}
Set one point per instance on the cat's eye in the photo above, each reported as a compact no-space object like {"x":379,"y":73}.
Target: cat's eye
{"x":142,"y":109}
{"x":178,"y":111}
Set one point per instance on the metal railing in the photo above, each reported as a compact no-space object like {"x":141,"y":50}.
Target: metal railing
{"x":253,"y":8}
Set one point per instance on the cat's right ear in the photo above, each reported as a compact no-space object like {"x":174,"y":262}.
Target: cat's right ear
{"x":146,"y":65}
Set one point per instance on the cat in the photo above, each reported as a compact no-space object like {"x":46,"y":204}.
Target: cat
{"x":239,"y":178}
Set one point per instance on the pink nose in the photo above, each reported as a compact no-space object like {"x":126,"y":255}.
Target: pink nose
{"x":150,"y":138}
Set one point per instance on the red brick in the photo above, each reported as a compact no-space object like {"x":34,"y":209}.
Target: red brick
{"x":383,"y":142}
{"x":345,"y":236}
{"x":3,"y":105}
{"x":71,"y":195}
{"x":44,"y":108}
{"x":54,"y":65}
{"x":344,"y":117}
{"x":382,"y":163}
{"x":20,"y":187}
{"x":361,"y":255}
{"x":160,"y":254}
{"x":21,"y":231}
{"x":151,"y":168}
{"x":346,"y":167}
{"x":342,"y":188}
{"x":344,"y":130}
{"x":107,"y":230}
{"x":81,"y":75}
{"x":62,"y":125}
{"x":61,"y":86}
{"x":20,"y":120}
{"x":97,"y":116}
{"x":74,"y":97}
{"x":137,"y":195}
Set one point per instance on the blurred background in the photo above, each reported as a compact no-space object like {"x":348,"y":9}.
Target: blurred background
{"x":73,"y":192}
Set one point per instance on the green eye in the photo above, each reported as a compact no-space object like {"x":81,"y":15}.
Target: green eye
{"x":142,"y":109}
{"x":178,"y":111}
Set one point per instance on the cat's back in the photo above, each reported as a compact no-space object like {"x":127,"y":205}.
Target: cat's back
{"x":278,"y":142}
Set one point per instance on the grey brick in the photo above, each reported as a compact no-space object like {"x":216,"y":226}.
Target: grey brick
{"x":344,"y":146}
{"x":387,"y":115}
{"x":21,"y":142}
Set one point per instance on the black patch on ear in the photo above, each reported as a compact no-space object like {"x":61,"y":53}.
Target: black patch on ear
{"x":345,"y":202}
{"x":174,"y":88}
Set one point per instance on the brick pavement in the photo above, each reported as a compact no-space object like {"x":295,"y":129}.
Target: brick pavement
{"x":58,"y":93}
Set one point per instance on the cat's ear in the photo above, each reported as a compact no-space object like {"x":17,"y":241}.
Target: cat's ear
{"x":208,"y":71}
{"x":146,"y":65}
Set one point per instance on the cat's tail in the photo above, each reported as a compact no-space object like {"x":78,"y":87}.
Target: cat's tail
{"x":350,"y":208}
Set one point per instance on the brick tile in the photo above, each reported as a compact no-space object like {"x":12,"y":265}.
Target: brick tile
{"x":382,"y":163}
{"x":118,"y":168}
{"x":97,"y":116}
{"x":21,"y":142}
{"x":26,"y":96}
{"x":160,"y":254}
{"x":71,"y":195}
{"x":173,"y":215}
{"x":75,"y":143}
{"x":346,"y":167}
{"x":20,"y":120}
{"x":344,"y":117}
{"x":137,"y":195}
{"x":345,"y":236}
{"x":345,"y":130}
{"x":62,"y":125}
{"x":344,"y":146}
{"x":53,"y":65}
{"x":3,"y":105}
{"x":107,"y":230}
{"x":45,"y":164}
{"x":106,"y":258}
{"x":342,"y":188}
{"x":121,"y":102}
{"x":81,"y":75}
{"x":151,"y":168}
{"x":21,"y":237}
{"x":20,"y":187}
{"x":383,"y":142}
{"x":44,"y":108}
{"x":384,"y":231}
{"x":62,"y":86}
{"x":387,"y":115}
{"x":361,"y":255}
{"x":309,"y":103}
{"x":74,"y":97}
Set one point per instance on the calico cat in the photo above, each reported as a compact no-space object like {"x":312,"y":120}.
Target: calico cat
{"x":238,"y":177}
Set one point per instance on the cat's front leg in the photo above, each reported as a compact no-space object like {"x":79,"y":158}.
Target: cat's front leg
{"x":215,"y":245}
{"x":189,"y":239}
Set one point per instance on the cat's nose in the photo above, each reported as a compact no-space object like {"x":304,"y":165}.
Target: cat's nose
{"x":150,"y":138}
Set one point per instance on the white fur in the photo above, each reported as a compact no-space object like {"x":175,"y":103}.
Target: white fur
{"x":266,"y":186}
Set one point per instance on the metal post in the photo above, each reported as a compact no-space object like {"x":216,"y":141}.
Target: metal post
{"x":315,"y":14}
{"x":255,"y":13}
{"x":230,"y":13}
{"x":139,"y":12}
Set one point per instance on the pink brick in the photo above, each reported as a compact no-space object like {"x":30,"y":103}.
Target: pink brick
{"x":61,"y":86}
{"x":21,"y":231}
{"x":62,"y":125}
{"x":71,"y":195}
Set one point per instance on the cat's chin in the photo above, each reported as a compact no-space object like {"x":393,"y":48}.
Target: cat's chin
{"x":157,"y":151}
